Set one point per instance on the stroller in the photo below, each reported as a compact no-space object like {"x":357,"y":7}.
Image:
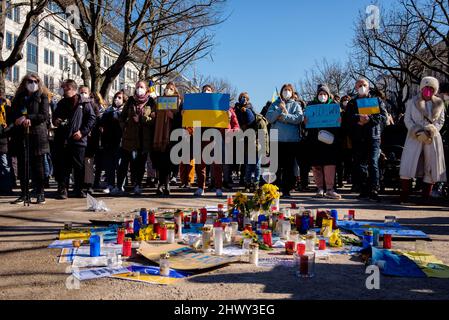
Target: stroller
{"x":390,"y":163}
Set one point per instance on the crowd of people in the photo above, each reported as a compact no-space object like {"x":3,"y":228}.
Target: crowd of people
{"x":83,"y":142}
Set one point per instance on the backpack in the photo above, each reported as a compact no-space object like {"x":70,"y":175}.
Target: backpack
{"x":262,"y":123}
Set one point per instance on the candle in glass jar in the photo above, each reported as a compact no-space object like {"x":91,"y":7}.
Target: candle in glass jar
{"x":267,"y":238}
{"x":127,"y":244}
{"x":254,"y":254}
{"x":203,"y":215}
{"x":163,"y":233}
{"x":151,"y":217}
{"x":218,"y":240}
{"x":171,"y":235}
{"x":206,"y":238}
{"x":387,"y":241}
{"x":178,"y":221}
{"x":120,"y":235}
{"x":290,"y":247}
{"x":301,"y":248}
{"x":164,"y":265}
{"x":195,"y":217}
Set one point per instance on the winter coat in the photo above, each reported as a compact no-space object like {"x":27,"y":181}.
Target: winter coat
{"x":4,"y":114}
{"x":36,"y":109}
{"x":320,"y":153}
{"x":80,"y":117}
{"x":370,"y":131}
{"x":245,"y":115}
{"x":288,"y":125}
{"x":137,"y":136}
{"x":111,"y":136}
{"x":415,"y":120}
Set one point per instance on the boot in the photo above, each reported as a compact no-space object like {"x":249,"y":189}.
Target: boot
{"x":405,"y":190}
{"x":427,"y":191}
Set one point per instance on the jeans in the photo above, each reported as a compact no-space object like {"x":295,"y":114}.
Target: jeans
{"x":136,"y":160}
{"x":366,"y":162}
{"x":5,"y":173}
{"x":251,"y":169}
{"x":111,"y":161}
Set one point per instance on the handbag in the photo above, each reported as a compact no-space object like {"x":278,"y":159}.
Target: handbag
{"x":326,"y":137}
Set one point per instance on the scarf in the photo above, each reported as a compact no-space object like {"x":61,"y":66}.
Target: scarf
{"x":140,"y":103}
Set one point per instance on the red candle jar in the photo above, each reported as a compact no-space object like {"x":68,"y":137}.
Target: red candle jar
{"x":293,"y":205}
{"x":230,"y":201}
{"x":248,"y":227}
{"x":264,"y":225}
{"x":195,"y":217}
{"x":163,"y":233}
{"x":120,"y":235}
{"x":217,"y":224}
{"x":203,"y":215}
{"x":290,"y":247}
{"x":301,"y":248}
{"x":127,"y":244}
{"x":156,"y":228}
{"x":151,"y":218}
{"x":187,"y":222}
{"x":221,"y":213}
{"x":267,"y":238}
{"x":304,"y":265}
{"x":351,"y":214}
{"x":322,"y":244}
{"x":130,"y":227}
{"x":387,"y":241}
{"x":281,"y":217}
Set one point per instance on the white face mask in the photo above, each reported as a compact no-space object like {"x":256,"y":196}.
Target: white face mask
{"x":118,"y":102}
{"x":32,"y":87}
{"x":287,"y":94}
{"x":140,"y":92}
{"x":169,"y":92}
{"x":345,"y":104}
{"x":207,"y":91}
{"x":322,"y":98}
{"x":363,"y":91}
{"x":84,"y":95}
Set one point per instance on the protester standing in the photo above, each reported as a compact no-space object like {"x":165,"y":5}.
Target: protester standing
{"x":5,"y":168}
{"x":74,"y":118}
{"x":423,"y":154}
{"x":30,"y":113}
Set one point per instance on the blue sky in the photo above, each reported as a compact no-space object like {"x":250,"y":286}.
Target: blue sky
{"x":266,"y":43}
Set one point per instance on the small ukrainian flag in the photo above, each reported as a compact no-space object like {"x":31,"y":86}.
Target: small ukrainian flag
{"x":368,"y":106}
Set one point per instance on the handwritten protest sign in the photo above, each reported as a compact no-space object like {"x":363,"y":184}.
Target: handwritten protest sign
{"x":323,"y":116}
{"x":368,"y":106}
{"x":167,"y":103}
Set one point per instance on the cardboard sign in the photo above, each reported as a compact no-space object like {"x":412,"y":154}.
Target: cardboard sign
{"x":211,"y":109}
{"x":149,"y":275}
{"x":183,"y":257}
{"x":368,"y":106}
{"x":396,"y":230}
{"x":323,"y":116}
{"x":167,"y":103}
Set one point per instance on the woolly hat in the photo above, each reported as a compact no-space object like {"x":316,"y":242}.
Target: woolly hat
{"x":323,"y":87}
{"x":430,"y":82}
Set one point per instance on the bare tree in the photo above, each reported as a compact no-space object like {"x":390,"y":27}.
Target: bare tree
{"x":334,"y":74}
{"x":220,"y":85}
{"x":35,"y":9}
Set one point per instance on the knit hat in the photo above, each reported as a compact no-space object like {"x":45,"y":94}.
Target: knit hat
{"x":323,"y":87}
{"x":430,"y":82}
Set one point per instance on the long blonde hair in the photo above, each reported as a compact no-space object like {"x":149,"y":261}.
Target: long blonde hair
{"x":23,"y":85}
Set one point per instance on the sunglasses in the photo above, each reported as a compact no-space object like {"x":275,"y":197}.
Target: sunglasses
{"x":33,"y":81}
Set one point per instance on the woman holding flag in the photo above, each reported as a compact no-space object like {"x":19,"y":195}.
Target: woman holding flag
{"x":285,"y":115}
{"x":30,"y":114}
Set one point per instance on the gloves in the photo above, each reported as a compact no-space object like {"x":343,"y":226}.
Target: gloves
{"x":422,"y":137}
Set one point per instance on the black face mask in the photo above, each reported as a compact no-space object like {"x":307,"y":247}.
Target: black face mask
{"x":242,"y":101}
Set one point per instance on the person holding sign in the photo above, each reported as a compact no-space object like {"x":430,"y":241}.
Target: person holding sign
{"x":423,"y":154}
{"x":323,"y":154}
{"x":168,"y":106}
{"x":366,"y":116}
{"x":285,"y":115}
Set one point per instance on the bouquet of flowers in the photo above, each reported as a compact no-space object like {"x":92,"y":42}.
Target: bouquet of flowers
{"x":241,"y":203}
{"x":264,"y":197}
{"x":255,"y":239}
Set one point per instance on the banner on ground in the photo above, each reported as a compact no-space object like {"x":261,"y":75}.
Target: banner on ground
{"x":211,"y":109}
{"x":368,"y":106}
{"x":323,"y":116}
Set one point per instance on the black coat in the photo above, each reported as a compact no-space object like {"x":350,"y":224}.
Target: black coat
{"x":112,"y":131}
{"x":320,"y":153}
{"x":35,"y":108}
{"x":80,"y":117}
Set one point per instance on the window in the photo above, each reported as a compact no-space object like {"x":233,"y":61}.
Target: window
{"x":8,"y":11}
{"x":106,"y":61}
{"x":49,"y":31}
{"x":9,"y":74}
{"x":9,"y":40}
{"x":63,"y":63}
{"x":63,"y":38}
{"x":32,"y":53}
{"x":77,"y":44}
{"x":49,"y":57}
{"x":49,"y":82}
{"x":34,"y":30}
{"x":13,"y":74}
{"x":76,"y":70}
{"x":16,"y":14}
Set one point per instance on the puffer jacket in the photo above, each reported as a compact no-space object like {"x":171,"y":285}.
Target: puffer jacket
{"x":288,"y":125}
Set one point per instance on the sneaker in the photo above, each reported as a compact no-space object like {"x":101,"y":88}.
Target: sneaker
{"x":219,"y":193}
{"x":173,"y":180}
{"x":40,"y":199}
{"x":331,"y":194}
{"x":137,"y":191}
{"x":374,"y":196}
{"x":62,"y":194}
{"x":108,"y":190}
{"x":320,"y":193}
{"x":19,"y":200}
{"x":118,"y":191}
{"x":159,"y":191}
{"x":166,"y":192}
{"x":199,"y":192}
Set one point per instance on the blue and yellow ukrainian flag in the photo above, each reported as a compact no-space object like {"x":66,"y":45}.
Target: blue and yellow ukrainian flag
{"x":211,"y":109}
{"x":368,"y":106}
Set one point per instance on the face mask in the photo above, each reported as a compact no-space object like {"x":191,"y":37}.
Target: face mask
{"x":287,"y":94}
{"x":84,"y":96}
{"x":427,"y":92}
{"x":322,"y":98}
{"x":345,"y":104}
{"x":242,"y":100}
{"x":169,"y":92}
{"x":363,"y":91}
{"x":118,"y":102}
{"x":140,"y":92}
{"x":32,"y":87}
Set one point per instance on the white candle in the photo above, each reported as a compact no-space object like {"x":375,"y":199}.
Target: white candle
{"x":171,"y":235}
{"x":218,"y":241}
